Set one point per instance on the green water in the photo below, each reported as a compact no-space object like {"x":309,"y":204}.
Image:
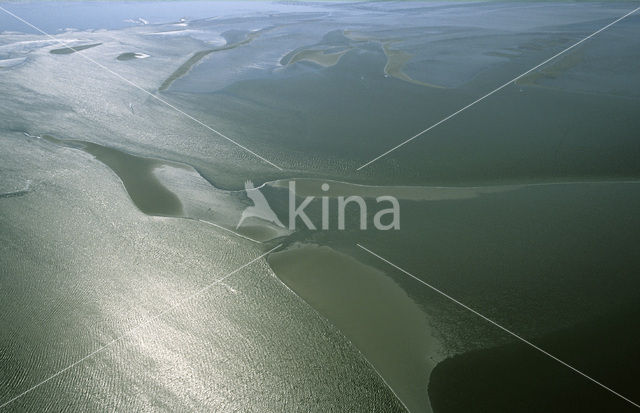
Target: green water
{"x":524,"y":207}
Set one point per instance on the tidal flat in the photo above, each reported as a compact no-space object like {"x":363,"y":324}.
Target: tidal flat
{"x":524,"y":207}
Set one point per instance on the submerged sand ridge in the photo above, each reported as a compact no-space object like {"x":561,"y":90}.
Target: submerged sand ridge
{"x":73,"y":49}
{"x":376,"y":314}
{"x":136,"y":173}
{"x":234,"y":39}
{"x":164,"y":188}
{"x":131,"y":56}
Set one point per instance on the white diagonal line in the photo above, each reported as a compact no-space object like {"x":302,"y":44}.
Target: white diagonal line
{"x":499,"y":326}
{"x":495,"y":90}
{"x":227,"y":229}
{"x":128,"y":333}
{"x":159,"y":99}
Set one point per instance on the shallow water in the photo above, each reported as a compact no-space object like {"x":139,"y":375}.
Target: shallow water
{"x":81,"y":266}
{"x":524,"y":207}
{"x":136,"y":174}
{"x":385,"y":324}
